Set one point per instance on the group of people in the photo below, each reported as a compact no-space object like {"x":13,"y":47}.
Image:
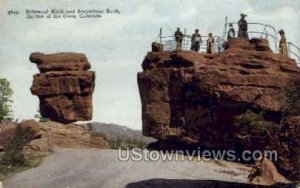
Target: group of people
{"x":195,"y":41}
{"x":242,"y":33}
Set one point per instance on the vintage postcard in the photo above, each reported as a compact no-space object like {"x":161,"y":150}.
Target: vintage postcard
{"x":149,"y":93}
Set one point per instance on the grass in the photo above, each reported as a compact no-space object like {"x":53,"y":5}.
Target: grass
{"x":251,"y":122}
{"x":15,"y":159}
{"x":124,"y":143}
{"x":8,"y":169}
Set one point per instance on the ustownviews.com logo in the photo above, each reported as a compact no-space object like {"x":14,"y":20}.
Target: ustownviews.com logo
{"x":139,"y":154}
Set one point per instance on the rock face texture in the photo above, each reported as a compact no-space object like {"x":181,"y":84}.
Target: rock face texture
{"x":246,"y":98}
{"x":64,"y":86}
{"x":44,"y":136}
{"x":7,"y":131}
{"x":265,"y":173}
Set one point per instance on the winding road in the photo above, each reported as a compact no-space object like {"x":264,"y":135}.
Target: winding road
{"x":96,"y":168}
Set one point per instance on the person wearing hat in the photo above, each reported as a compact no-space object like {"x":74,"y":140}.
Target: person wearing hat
{"x":178,"y":38}
{"x":243,"y":27}
{"x":282,"y":43}
{"x":231,"y":32}
{"x":210,"y":44}
{"x":195,"y":40}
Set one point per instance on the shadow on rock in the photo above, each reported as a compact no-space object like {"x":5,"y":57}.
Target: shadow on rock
{"x":176,"y":183}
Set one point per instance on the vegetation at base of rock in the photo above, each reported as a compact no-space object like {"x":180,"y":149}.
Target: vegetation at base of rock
{"x":5,"y":100}
{"x":250,"y":122}
{"x":15,"y":159}
{"x":126,"y":143}
{"x":292,"y":102}
{"x":29,"y":161}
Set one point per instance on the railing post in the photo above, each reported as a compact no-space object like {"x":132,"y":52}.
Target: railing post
{"x":184,"y":39}
{"x":225,"y":29}
{"x":265,"y":28}
{"x":289,"y":49}
{"x":160,"y":35}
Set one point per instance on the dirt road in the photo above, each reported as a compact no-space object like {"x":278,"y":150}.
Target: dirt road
{"x":94,"y":168}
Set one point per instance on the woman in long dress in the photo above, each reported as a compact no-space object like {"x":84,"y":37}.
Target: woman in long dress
{"x":282,"y":43}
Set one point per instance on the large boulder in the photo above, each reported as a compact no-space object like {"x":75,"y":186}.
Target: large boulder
{"x":7,"y":133}
{"x":239,"y":99}
{"x":157,"y":47}
{"x":64,"y":86}
{"x":265,"y":173}
{"x":60,"y":61}
{"x":34,"y":136}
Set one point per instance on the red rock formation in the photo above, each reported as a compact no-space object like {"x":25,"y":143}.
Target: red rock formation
{"x":60,"y":61}
{"x":265,"y":173}
{"x":204,"y":100}
{"x":64,"y":86}
{"x":44,"y":136}
{"x":7,"y":133}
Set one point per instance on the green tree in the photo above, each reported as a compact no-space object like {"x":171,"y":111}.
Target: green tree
{"x":5,"y":100}
{"x":39,"y":116}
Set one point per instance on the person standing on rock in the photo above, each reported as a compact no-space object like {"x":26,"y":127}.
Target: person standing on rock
{"x":210,"y":44}
{"x":178,"y":38}
{"x":243,"y":27}
{"x":219,"y":44}
{"x":282,"y":43}
{"x":196,"y":39}
{"x":231,"y":32}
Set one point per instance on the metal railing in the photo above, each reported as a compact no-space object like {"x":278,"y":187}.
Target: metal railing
{"x":169,"y":43}
{"x":294,"y":51}
{"x":255,"y":30}
{"x":270,"y":33}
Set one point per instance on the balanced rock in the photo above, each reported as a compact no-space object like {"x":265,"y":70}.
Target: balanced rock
{"x":60,"y":61}
{"x":64,"y":86}
{"x":241,"y":99}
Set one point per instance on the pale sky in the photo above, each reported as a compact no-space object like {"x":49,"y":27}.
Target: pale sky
{"x":116,"y":44}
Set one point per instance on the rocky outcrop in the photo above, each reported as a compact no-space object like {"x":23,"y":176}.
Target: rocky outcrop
{"x":44,"y":136}
{"x":265,"y":173}
{"x":60,"y":61}
{"x":64,"y":86}
{"x":157,"y":47}
{"x":7,"y":132}
{"x":241,"y":99}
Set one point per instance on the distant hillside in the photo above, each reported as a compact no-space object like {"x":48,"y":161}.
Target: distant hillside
{"x":121,"y":136}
